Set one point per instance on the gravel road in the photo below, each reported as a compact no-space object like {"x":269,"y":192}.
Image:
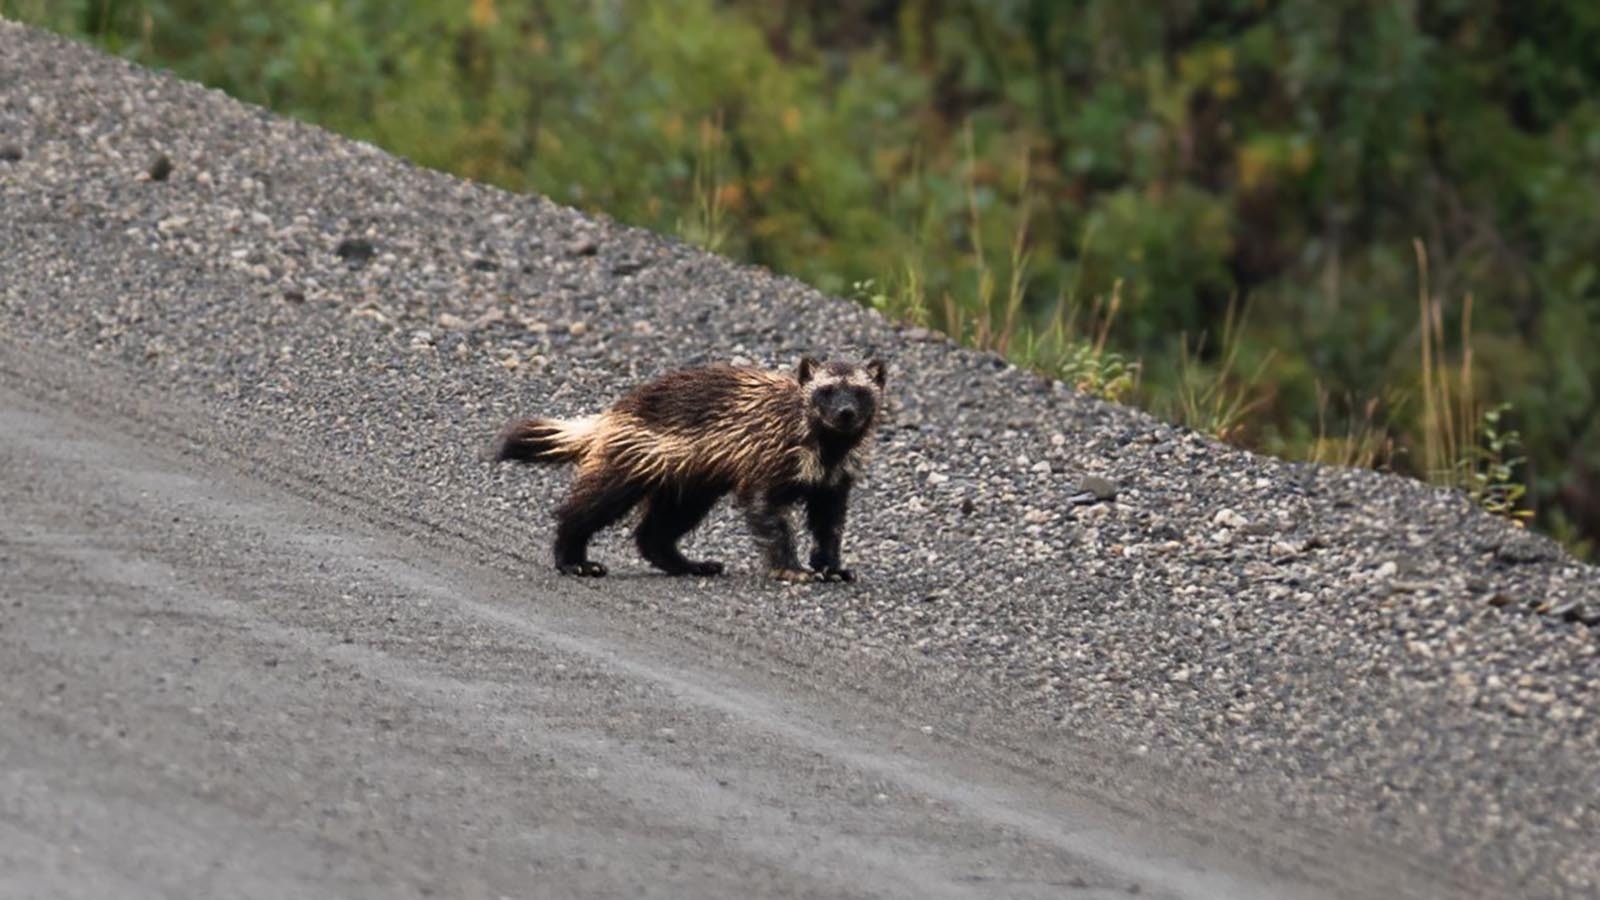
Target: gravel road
{"x":271,"y":623}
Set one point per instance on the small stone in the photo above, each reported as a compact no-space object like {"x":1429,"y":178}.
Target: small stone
{"x":1227,"y":518}
{"x":452,"y":321}
{"x":489,"y":316}
{"x":160,"y":167}
{"x":355,"y":251}
{"x":967,"y":506}
{"x":10,"y":153}
{"x":627,"y":267}
{"x":1386,"y":571}
{"x":937,"y":478}
{"x":485,"y":264}
{"x":293,"y":295}
{"x":1100,"y":488}
{"x":1500,"y":599}
{"x":1041,"y":467}
{"x":1524,"y":549}
{"x":1569,"y":611}
{"x":578,"y":329}
{"x":582,"y":247}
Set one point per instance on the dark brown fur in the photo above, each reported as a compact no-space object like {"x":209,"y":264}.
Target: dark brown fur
{"x":680,"y":443}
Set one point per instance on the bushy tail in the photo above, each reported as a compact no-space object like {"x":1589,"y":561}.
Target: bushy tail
{"x":546,"y":440}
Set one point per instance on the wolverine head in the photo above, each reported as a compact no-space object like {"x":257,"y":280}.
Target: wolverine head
{"x":841,"y":397}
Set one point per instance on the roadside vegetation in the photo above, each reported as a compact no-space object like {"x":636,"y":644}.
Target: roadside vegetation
{"x":1358,"y":235}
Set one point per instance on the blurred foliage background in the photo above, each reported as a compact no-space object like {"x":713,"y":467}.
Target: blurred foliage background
{"x":1269,"y":220}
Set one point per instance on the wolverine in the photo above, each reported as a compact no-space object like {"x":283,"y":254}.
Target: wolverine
{"x":680,"y":443}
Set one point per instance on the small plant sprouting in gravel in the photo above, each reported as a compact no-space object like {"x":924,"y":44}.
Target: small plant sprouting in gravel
{"x":1366,"y":442}
{"x":1217,"y":400}
{"x":1075,"y":351}
{"x":706,"y":222}
{"x":901,"y":299}
{"x":1465,"y":445}
{"x":1489,"y":471}
{"x":1072,"y":347}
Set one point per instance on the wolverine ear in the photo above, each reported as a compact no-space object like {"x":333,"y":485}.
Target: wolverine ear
{"x":878,"y":370}
{"x":808,"y":368}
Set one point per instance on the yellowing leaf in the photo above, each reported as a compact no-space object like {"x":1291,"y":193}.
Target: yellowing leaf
{"x":1253,"y":165}
{"x":484,"y":14}
{"x":730,"y":196}
{"x":1302,"y":156}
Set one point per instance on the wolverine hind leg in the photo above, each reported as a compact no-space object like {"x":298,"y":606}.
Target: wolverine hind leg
{"x":671,"y":514}
{"x":597,"y":499}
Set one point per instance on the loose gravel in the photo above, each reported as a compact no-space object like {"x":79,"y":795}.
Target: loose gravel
{"x":1365,"y":652}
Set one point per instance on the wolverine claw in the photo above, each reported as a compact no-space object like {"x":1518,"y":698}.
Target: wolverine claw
{"x":793,"y":576}
{"x":585,"y":569}
{"x":832,"y":574}
{"x":704,"y":569}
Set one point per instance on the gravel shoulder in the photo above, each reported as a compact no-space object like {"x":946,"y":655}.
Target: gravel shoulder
{"x":1330,"y":671}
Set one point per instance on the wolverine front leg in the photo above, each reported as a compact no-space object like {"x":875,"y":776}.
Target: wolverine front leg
{"x":825,"y":511}
{"x":769,"y":522}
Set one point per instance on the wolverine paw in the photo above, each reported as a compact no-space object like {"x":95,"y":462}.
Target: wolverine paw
{"x":793,"y":576}
{"x":832,"y":573}
{"x":585,"y":569}
{"x":704,"y":568}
